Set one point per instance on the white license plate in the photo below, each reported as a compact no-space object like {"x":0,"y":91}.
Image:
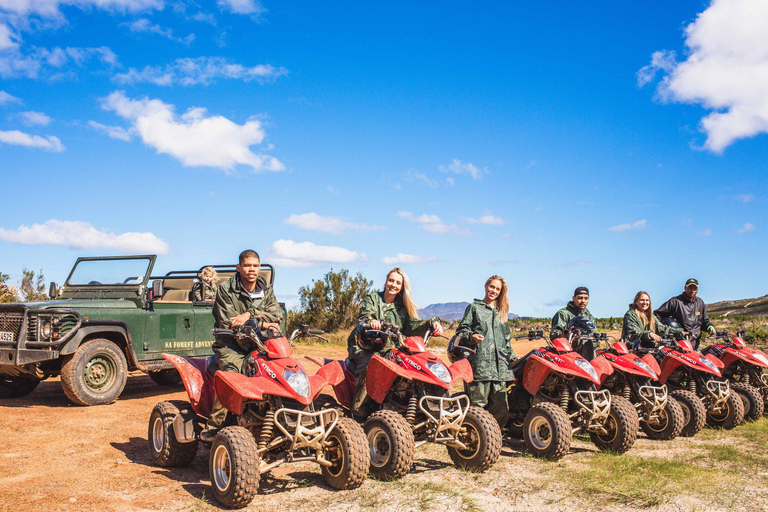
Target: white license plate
{"x":6,"y":336}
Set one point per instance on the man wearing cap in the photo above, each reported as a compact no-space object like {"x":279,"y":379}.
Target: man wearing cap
{"x":689,"y":311}
{"x":577,"y":306}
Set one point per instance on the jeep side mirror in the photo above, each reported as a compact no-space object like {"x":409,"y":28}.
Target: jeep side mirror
{"x":52,"y":289}
{"x":157,"y":289}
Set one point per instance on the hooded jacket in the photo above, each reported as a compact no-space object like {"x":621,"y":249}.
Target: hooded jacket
{"x":633,"y":328}
{"x":233,"y":300}
{"x":494,"y":354}
{"x":563,"y":317}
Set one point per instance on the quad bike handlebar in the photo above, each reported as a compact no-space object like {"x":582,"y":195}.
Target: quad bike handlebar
{"x":305,"y":332}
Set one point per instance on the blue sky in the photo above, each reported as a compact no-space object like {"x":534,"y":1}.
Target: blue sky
{"x":619,"y":146}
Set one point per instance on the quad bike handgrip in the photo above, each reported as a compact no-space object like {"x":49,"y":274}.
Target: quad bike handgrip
{"x":315,"y":331}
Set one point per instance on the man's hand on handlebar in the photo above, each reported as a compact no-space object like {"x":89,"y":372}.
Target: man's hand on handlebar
{"x":437,"y":329}
{"x":375,"y":325}
{"x":240,"y":319}
{"x":655,"y":337}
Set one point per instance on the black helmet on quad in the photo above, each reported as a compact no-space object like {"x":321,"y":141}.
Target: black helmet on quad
{"x":670,"y":322}
{"x":370,"y":339}
{"x":582,"y":323}
{"x":458,"y":351}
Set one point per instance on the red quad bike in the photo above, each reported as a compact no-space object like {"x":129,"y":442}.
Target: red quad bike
{"x":555,"y":394}
{"x":411,"y":391}
{"x":636,"y":379}
{"x":744,"y":369}
{"x":272,"y":402}
{"x":697,"y":384}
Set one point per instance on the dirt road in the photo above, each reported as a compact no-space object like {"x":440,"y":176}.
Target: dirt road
{"x":57,"y":456}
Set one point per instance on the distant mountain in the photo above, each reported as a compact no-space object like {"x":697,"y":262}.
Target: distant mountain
{"x":743,"y":307}
{"x":448,"y":311}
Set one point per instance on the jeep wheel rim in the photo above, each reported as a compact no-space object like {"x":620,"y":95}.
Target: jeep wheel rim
{"x":158,"y":435}
{"x":99,"y":373}
{"x":222,"y":468}
{"x":540,"y":433}
{"x":380,"y":446}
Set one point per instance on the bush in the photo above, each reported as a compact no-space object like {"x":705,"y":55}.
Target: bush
{"x":755,"y":333}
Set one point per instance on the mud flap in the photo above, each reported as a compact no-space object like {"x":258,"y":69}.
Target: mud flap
{"x":200,"y":397}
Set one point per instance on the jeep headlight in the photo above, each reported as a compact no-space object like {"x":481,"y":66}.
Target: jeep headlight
{"x":298,"y":380}
{"x":439,"y":370}
{"x":584,"y":365}
{"x":46,"y":329}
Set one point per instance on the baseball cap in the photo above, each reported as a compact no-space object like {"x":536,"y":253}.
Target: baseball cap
{"x":691,"y":282}
{"x":581,"y":290}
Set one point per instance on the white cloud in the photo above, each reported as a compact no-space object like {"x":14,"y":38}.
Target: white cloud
{"x":7,"y":38}
{"x":242,"y":7}
{"x":748,"y":228}
{"x":488,"y":219}
{"x":725,"y":70}
{"x":7,"y":98}
{"x":144,"y":25}
{"x":50,"y":8}
{"x":51,"y":63}
{"x":705,"y":232}
{"x":406,"y":259}
{"x":450,"y":181}
{"x":34,"y":118}
{"x":17,"y":138}
{"x":331,"y":190}
{"x":333,"y":225}
{"x":433,"y":224}
{"x":640,"y":224}
{"x":287,"y":253}
{"x":458,"y":167}
{"x":194,"y":138}
{"x":421,"y":177}
{"x":745,"y":198}
{"x":115,"y":132}
{"x":82,"y":235}
{"x":200,"y":70}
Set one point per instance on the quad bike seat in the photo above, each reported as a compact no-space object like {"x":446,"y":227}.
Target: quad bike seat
{"x":518,"y":366}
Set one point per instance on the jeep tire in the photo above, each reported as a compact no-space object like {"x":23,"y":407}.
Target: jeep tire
{"x":95,"y":374}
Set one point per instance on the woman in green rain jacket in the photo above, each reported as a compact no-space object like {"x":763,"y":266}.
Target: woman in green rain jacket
{"x":486,"y":328}
{"x":640,"y":324}
{"x":393,"y":305}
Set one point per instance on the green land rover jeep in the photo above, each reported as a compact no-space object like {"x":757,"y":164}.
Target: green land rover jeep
{"x":105,"y":321}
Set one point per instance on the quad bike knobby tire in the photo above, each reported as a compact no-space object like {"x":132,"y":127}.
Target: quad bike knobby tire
{"x":481,"y":434}
{"x":16,"y":387}
{"x":95,"y":374}
{"x":731,"y":416}
{"x":390,"y":444}
{"x":622,"y":426}
{"x":164,"y":448}
{"x":694,"y":412}
{"x":234,"y":467}
{"x":669,"y":425}
{"x":547,"y":431}
{"x":167,"y":377}
{"x":752,"y":400}
{"x":347,"y":449}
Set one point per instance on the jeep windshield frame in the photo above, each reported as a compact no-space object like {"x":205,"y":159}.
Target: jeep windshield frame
{"x":134,"y":273}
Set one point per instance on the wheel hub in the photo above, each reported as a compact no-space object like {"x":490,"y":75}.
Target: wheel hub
{"x":99,"y":373}
{"x":380,"y":446}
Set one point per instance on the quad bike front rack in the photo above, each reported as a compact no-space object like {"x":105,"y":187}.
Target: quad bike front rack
{"x":447,"y":423}
{"x":654,"y":397}
{"x":596,"y":405}
{"x":718,"y":390}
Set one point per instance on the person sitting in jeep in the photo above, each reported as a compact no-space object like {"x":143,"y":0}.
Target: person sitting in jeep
{"x":245,"y":296}
{"x":205,"y":289}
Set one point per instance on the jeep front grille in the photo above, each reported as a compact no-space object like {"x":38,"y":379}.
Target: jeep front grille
{"x":10,"y":321}
{"x":31,"y":328}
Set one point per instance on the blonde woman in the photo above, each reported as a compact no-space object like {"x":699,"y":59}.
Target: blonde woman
{"x":393,"y":305}
{"x":205,"y":289}
{"x":640,"y":324}
{"x":485,"y":327}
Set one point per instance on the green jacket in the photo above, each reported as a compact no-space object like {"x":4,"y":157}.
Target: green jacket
{"x":202,"y":291}
{"x":232,"y":300}
{"x":494,"y":354}
{"x":633,"y":328}
{"x":373,"y":307}
{"x":563,"y":317}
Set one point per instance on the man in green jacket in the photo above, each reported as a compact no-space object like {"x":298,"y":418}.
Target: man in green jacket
{"x":245,"y":296}
{"x":483,"y":329}
{"x":576,"y":307}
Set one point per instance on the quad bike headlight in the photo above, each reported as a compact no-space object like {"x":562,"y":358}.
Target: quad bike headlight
{"x":706,"y":362}
{"x":440,"y":371}
{"x":760,"y":357}
{"x":584,"y":365}
{"x":642,"y":364}
{"x":299,"y":381}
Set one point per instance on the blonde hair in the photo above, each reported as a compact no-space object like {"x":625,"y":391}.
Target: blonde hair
{"x":646,"y":318}
{"x":501,"y":302}
{"x":405,"y":293}
{"x":208,"y":272}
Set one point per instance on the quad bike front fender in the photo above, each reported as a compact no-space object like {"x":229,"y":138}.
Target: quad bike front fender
{"x":651,"y":361}
{"x":461,"y":369}
{"x":200,"y":395}
{"x":331,"y":373}
{"x":380,"y":375}
{"x":602,"y":367}
{"x":717,"y":362}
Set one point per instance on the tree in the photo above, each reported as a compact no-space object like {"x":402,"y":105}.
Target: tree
{"x":333,"y":302}
{"x":7,"y":293}
{"x":33,"y":287}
